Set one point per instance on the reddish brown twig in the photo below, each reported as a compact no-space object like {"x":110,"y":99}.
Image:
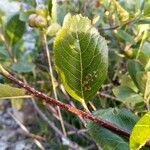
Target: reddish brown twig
{"x":67,"y":107}
{"x":62,"y":105}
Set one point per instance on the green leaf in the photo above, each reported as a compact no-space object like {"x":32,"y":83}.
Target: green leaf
{"x":145,"y":20}
{"x":3,"y":54}
{"x":144,"y":55}
{"x":16,"y":95}
{"x":17,"y":103}
{"x":7,"y":91}
{"x":146,"y":49}
{"x":24,"y":14}
{"x":147,"y":8}
{"x":23,"y":67}
{"x":128,"y":82}
{"x":143,"y":79}
{"x":141,"y":5}
{"x":81,"y":57}
{"x":57,"y":13}
{"x":54,"y":8}
{"x":14,"y":30}
{"x":144,"y":59}
{"x":49,"y":4}
{"x":124,"y":15}
{"x":2,"y":13}
{"x":127,"y":95}
{"x":133,"y":67}
{"x":140,"y":133}
{"x":126,"y":36}
{"x":106,"y":139}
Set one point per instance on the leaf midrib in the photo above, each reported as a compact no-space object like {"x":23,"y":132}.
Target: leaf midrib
{"x":81,"y":66}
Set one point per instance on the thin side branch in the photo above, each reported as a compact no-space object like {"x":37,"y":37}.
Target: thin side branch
{"x":71,"y":144}
{"x":67,"y":107}
{"x":119,"y":26}
{"x":35,"y":137}
{"x":53,"y":83}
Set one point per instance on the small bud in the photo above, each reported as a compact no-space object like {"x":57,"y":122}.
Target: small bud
{"x":40,"y":22}
{"x":129,"y":53}
{"x":31,"y":20}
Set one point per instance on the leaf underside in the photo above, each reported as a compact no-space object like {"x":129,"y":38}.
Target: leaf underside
{"x":8,"y":91}
{"x":81,"y":58}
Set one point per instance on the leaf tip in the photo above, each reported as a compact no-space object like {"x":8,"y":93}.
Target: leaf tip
{"x":3,"y":71}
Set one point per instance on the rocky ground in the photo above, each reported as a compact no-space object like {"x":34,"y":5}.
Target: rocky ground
{"x":12,"y":136}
